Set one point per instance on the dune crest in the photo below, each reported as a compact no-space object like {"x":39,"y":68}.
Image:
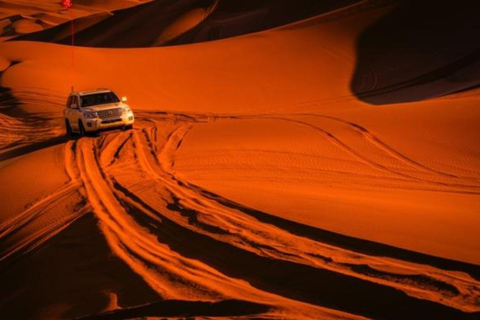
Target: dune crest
{"x":182,"y":22}
{"x":258,"y":180}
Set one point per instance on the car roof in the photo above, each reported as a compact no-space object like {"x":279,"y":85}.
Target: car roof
{"x":83,"y":93}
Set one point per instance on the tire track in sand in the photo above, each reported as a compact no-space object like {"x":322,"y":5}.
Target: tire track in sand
{"x":146,"y":164}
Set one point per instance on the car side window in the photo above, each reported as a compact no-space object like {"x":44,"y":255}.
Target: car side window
{"x":74,"y":101}
{"x":69,"y":101}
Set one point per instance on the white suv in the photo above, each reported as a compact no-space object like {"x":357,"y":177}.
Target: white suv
{"x":92,"y":111}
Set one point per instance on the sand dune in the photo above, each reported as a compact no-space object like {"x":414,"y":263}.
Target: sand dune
{"x":343,"y":169}
{"x":132,"y":27}
{"x":259,"y":180}
{"x":418,"y":59}
{"x":185,"y":22}
{"x":232,"y":18}
{"x":25,"y":17}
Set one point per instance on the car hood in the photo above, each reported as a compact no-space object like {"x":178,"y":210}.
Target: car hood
{"x":106,"y":106}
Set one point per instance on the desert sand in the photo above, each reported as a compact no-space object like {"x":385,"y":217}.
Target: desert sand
{"x":285,"y":163}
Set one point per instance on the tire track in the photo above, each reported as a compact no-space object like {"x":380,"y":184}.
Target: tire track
{"x":187,"y":198}
{"x":188,"y":243}
{"x":43,"y":219}
{"x":386,"y":149}
{"x":170,"y":274}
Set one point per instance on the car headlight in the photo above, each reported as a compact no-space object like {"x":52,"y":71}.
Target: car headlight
{"x":126,"y":110}
{"x":90,"y":114}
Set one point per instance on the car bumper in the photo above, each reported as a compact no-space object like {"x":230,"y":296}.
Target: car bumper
{"x":92,"y":125}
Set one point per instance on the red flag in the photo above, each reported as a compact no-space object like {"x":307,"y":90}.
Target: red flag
{"x":67,"y":3}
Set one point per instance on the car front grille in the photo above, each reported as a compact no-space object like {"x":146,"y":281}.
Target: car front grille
{"x":110,"y":113}
{"x":111,"y":120}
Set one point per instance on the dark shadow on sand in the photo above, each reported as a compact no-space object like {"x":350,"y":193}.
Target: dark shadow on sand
{"x":347,"y":242}
{"x":289,"y":279}
{"x":420,"y":50}
{"x":187,"y":309}
{"x":142,"y":25}
{"x":20,"y":151}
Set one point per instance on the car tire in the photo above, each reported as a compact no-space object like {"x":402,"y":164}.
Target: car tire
{"x":81,"y":128}
{"x":68,"y":129}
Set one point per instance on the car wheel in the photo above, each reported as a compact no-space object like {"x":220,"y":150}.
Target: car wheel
{"x":68,"y":129}
{"x":81,"y":128}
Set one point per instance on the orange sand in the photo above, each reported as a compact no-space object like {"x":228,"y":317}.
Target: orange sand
{"x":255,"y":183}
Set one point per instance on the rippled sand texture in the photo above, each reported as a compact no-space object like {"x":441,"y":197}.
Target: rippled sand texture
{"x":269,"y":175}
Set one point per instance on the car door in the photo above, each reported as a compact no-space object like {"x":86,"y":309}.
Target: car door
{"x":74,"y":112}
{"x":66,"y":111}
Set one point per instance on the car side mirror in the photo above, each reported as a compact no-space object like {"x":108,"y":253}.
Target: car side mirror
{"x":73,"y":106}
{"x":124,"y":99}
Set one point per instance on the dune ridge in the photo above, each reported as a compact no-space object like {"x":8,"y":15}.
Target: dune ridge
{"x":418,"y":59}
{"x":257,"y":182}
{"x":25,"y":17}
{"x":183,"y":22}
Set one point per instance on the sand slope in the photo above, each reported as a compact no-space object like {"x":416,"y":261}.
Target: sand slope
{"x":255,"y":184}
{"x":25,"y":17}
{"x":426,"y":51}
{"x":183,"y":22}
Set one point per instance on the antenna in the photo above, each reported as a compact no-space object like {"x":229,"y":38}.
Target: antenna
{"x":68,"y":4}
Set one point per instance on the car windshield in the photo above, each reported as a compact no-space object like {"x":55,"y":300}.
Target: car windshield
{"x":99,"y":98}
